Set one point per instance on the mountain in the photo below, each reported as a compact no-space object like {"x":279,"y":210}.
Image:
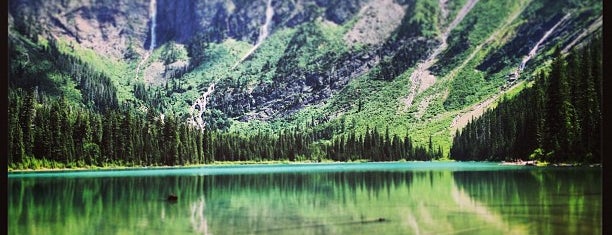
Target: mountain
{"x":420,"y":68}
{"x":556,"y":119}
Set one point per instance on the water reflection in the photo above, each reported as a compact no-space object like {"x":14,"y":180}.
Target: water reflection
{"x":551,"y":201}
{"x":425,"y":202}
{"x":198,"y":218}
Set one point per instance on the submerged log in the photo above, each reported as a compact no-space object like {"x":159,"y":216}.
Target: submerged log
{"x":172,"y":198}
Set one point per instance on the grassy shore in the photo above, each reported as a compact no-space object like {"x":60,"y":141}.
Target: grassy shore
{"x":216,"y":163}
{"x":238,"y":163}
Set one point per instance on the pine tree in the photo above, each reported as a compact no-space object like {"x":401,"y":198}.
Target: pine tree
{"x":26,"y":116}
{"x":561,"y":107}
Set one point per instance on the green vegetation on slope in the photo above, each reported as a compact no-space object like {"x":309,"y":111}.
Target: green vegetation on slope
{"x":52,"y":134}
{"x":46,"y":69}
{"x":471,"y":85}
{"x":563,"y":107}
{"x":265,"y":93}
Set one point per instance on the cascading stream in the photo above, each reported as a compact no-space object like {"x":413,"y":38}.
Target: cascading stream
{"x":153,"y":14}
{"x":443,"y":9}
{"x":199,"y":105}
{"x":153,"y":18}
{"x":534,"y":50}
{"x":263,"y":32}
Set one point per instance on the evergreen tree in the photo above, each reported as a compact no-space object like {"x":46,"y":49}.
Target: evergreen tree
{"x":562,"y":107}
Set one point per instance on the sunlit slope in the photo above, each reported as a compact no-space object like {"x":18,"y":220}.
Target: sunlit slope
{"x":412,"y":66}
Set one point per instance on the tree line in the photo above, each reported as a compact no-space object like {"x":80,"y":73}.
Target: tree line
{"x":48,"y":132}
{"x":556,"y":120}
{"x":375,"y":146}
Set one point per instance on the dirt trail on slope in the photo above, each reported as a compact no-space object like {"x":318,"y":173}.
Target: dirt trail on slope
{"x":424,"y":105}
{"x":422,"y":78}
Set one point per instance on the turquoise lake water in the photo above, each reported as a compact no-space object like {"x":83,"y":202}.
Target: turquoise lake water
{"x":337,"y":198}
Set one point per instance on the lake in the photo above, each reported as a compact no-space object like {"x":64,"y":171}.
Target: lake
{"x":342,"y":198}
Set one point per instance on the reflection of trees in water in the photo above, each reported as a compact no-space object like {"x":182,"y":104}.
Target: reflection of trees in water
{"x":328,"y":203}
{"x":198,"y":217}
{"x":94,"y":206}
{"x":550,"y":201}
{"x":332,"y":202}
{"x":128,"y":204}
{"x":328,"y":185}
{"x":490,"y":218}
{"x":233,"y":203}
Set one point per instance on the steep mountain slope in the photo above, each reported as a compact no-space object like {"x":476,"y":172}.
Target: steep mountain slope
{"x":556,"y":119}
{"x":411,"y":65}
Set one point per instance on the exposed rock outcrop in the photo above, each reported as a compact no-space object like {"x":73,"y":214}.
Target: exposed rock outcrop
{"x":107,"y":27}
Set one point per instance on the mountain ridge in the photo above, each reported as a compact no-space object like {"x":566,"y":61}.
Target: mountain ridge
{"x":305,"y":70}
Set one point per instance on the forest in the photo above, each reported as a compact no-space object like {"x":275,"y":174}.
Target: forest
{"x":49,"y":133}
{"x":65,"y":113}
{"x":558,"y":119}
{"x":555,"y":120}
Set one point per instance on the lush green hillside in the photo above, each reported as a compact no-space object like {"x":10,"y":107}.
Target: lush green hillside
{"x":331,"y":71}
{"x":556,"y":120}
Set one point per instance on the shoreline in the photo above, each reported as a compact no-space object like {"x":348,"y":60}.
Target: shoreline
{"x":547,"y":164}
{"x":93,"y":168}
{"x":213,"y":164}
{"x":246,"y":163}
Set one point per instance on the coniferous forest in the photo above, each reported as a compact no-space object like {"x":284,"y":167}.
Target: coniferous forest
{"x":50,"y":133}
{"x":282,"y":117}
{"x":558,"y":119}
{"x":71,"y":106}
{"x":555,"y":120}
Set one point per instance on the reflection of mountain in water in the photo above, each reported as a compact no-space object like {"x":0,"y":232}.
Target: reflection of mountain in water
{"x":551,"y":201}
{"x":438,"y":202}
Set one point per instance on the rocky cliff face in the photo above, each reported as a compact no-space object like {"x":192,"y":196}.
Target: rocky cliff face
{"x":292,"y":90}
{"x":241,"y":20}
{"x":381,"y":40}
{"x":108,"y":27}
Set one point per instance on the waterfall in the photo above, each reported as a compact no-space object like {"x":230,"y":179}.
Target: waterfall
{"x":153,"y":15}
{"x":199,"y":106}
{"x":263,"y":32}
{"x":534,"y":50}
{"x":198,"y":219}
